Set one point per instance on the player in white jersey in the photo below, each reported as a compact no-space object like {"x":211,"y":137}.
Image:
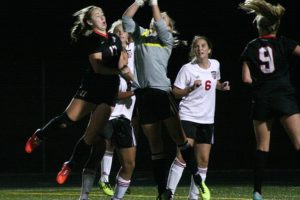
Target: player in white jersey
{"x":196,"y":84}
{"x":107,"y":159}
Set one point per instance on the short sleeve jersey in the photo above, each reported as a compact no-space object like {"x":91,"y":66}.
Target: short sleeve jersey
{"x":199,"y":105}
{"x":267,"y":58}
{"x":97,"y":42}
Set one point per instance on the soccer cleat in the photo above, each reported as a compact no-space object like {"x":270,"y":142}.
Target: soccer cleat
{"x":257,"y":196}
{"x":32,"y":143}
{"x":166,"y":195}
{"x":204,"y":191}
{"x":63,"y":174}
{"x":106,"y":188}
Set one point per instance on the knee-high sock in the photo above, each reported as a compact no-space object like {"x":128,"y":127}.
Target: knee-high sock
{"x":81,"y":152}
{"x":175,"y":174}
{"x":160,"y":171}
{"x":202,"y":172}
{"x":261,"y":159}
{"x":88,"y":178}
{"x":106,"y":163}
{"x":121,"y":188}
{"x":188,"y":155}
{"x":56,"y":123}
{"x":96,"y":154}
{"x":194,"y":191}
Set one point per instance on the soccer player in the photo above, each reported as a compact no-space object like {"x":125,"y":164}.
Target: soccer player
{"x":119,"y":132}
{"x":266,"y":69}
{"x":196,"y":84}
{"x":155,"y":103}
{"x":107,"y":159}
{"x":98,"y":91}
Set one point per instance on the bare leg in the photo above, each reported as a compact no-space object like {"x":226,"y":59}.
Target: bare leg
{"x":262,"y":135}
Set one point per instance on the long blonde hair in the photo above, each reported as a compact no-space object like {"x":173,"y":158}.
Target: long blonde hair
{"x":80,"y":26}
{"x":268,"y":16}
{"x":171,"y":23}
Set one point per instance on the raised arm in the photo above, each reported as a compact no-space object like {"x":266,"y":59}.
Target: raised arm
{"x":155,"y":10}
{"x":131,"y":10}
{"x":162,"y":24}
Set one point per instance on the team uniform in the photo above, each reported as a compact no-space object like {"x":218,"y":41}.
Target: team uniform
{"x":119,"y":127}
{"x":93,"y":82}
{"x":197,"y":109}
{"x":152,"y":52}
{"x":273,"y":94}
{"x":120,"y":131}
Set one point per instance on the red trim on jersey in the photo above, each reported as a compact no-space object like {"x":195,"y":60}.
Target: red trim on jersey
{"x":102,"y":34}
{"x":268,"y":36}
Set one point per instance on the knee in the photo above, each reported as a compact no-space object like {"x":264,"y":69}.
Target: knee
{"x":203,"y":162}
{"x":64,"y":120}
{"x":129,"y":165}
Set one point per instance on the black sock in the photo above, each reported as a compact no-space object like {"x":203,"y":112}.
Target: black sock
{"x":188,"y":155}
{"x":261,"y":158}
{"x":159,"y":164}
{"x":55,"y":124}
{"x":81,"y":152}
{"x":96,"y":155}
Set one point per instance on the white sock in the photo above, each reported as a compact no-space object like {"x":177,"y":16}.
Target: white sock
{"x":202,"y":172}
{"x":106,"y":163}
{"x":121,"y":188}
{"x":175,"y":174}
{"x":88,"y":178}
{"x":194,"y":191}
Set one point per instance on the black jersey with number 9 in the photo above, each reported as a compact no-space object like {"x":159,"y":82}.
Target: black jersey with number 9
{"x":267,"y":59}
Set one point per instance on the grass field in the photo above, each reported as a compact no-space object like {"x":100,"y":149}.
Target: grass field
{"x":221,"y":192}
{"x":224,"y":185}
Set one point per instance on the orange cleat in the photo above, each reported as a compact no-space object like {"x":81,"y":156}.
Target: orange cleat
{"x":63,"y":174}
{"x":32,"y":143}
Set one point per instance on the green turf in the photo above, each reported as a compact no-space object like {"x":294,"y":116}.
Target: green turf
{"x":219,"y":192}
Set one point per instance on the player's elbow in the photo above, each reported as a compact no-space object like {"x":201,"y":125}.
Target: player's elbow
{"x":247,"y":80}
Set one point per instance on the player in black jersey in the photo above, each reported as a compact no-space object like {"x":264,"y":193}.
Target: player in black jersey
{"x":106,"y":60}
{"x":266,"y":68}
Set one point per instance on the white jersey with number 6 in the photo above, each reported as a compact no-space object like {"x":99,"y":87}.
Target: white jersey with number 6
{"x":199,"y":105}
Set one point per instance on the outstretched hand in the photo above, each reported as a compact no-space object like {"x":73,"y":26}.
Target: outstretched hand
{"x":140,"y":2}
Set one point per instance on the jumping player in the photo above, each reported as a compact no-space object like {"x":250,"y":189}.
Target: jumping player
{"x":266,"y":69}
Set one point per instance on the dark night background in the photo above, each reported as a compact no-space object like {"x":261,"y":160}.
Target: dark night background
{"x":40,"y":74}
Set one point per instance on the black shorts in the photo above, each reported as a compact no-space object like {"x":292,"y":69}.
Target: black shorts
{"x":121,"y":132}
{"x":201,"y":133}
{"x":154,"y":105}
{"x":267,"y":107}
{"x":97,"y":89}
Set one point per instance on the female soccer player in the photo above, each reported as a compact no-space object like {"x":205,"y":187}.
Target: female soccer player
{"x":196,"y":84}
{"x":266,"y":68}
{"x":155,"y":103}
{"x":106,"y":162}
{"x":97,"y":93}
